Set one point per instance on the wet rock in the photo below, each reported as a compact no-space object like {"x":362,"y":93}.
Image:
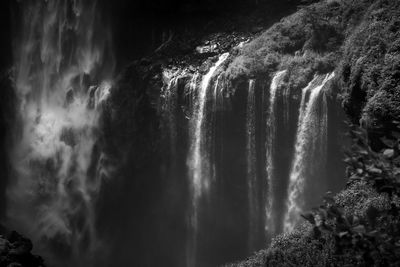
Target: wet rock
{"x":69,"y":97}
{"x":257,"y":29}
{"x":4,"y":246}
{"x":19,"y":244}
{"x":15,"y":250}
{"x":82,"y":82}
{"x":92,"y":93}
{"x":145,"y":62}
{"x":68,"y":137}
{"x":212,"y":48}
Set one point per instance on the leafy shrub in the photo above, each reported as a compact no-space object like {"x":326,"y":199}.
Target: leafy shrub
{"x":360,"y":226}
{"x":370,"y":66}
{"x":299,"y":248}
{"x":310,"y":37}
{"x":364,"y":219}
{"x":380,"y":108}
{"x":359,"y":197}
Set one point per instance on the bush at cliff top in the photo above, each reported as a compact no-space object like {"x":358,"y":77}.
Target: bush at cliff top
{"x":309,"y":39}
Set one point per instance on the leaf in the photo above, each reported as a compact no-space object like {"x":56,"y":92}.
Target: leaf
{"x":358,"y":132}
{"x":388,"y":153}
{"x":363,"y":152}
{"x":355,"y":177}
{"x":356,"y":220}
{"x":374,"y":170}
{"x":328,"y":198}
{"x":388,"y":142}
{"x":396,"y":135}
{"x":334,"y":212}
{"x":342,"y":234}
{"x":373,"y":233}
{"x":372,"y":213}
{"x":309,"y":217}
{"x":326,"y":227}
{"x":350,"y":218}
{"x":323,"y":213}
{"x":348,"y":160}
{"x":387,"y":188}
{"x":359,"y":229}
{"x":317,"y":232}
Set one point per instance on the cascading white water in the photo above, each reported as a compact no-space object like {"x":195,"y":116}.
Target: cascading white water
{"x":286,"y":106}
{"x":310,"y":146}
{"x":170,"y":98}
{"x":190,"y":94}
{"x":198,"y":162}
{"x":254,"y":211}
{"x":56,"y":176}
{"x":270,"y":143}
{"x":216,"y":96}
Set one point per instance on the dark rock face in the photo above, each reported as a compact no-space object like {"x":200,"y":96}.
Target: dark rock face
{"x":131,"y":138}
{"x":7,"y":117}
{"x":15,"y":250}
{"x":141,"y":27}
{"x":5,"y":25}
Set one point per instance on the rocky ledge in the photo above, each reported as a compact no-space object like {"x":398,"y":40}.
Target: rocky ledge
{"x":15,"y":251}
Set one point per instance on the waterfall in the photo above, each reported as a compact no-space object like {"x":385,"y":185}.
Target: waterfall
{"x":190,"y":94}
{"x":56,"y":174}
{"x":254,"y":209}
{"x":170,"y":101}
{"x":216,"y":97}
{"x":310,"y":148}
{"x":270,"y":143}
{"x":286,"y":106}
{"x":198,"y":162}
{"x":199,"y":165}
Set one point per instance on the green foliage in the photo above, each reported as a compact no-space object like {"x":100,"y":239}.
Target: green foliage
{"x":297,"y":248}
{"x":363,"y":220}
{"x":382,"y":107}
{"x":301,"y":69}
{"x":300,"y":248}
{"x":257,"y":260}
{"x":381,"y":169}
{"x":309,"y":37}
{"x":360,"y":226}
{"x":372,"y":240}
{"x":370,"y":66}
{"x":359,"y":197}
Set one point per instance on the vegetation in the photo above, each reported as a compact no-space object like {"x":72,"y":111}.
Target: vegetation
{"x":370,"y":66}
{"x":358,"y":227}
{"x":313,"y":34}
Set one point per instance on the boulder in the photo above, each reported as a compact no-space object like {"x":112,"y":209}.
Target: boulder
{"x":15,"y":251}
